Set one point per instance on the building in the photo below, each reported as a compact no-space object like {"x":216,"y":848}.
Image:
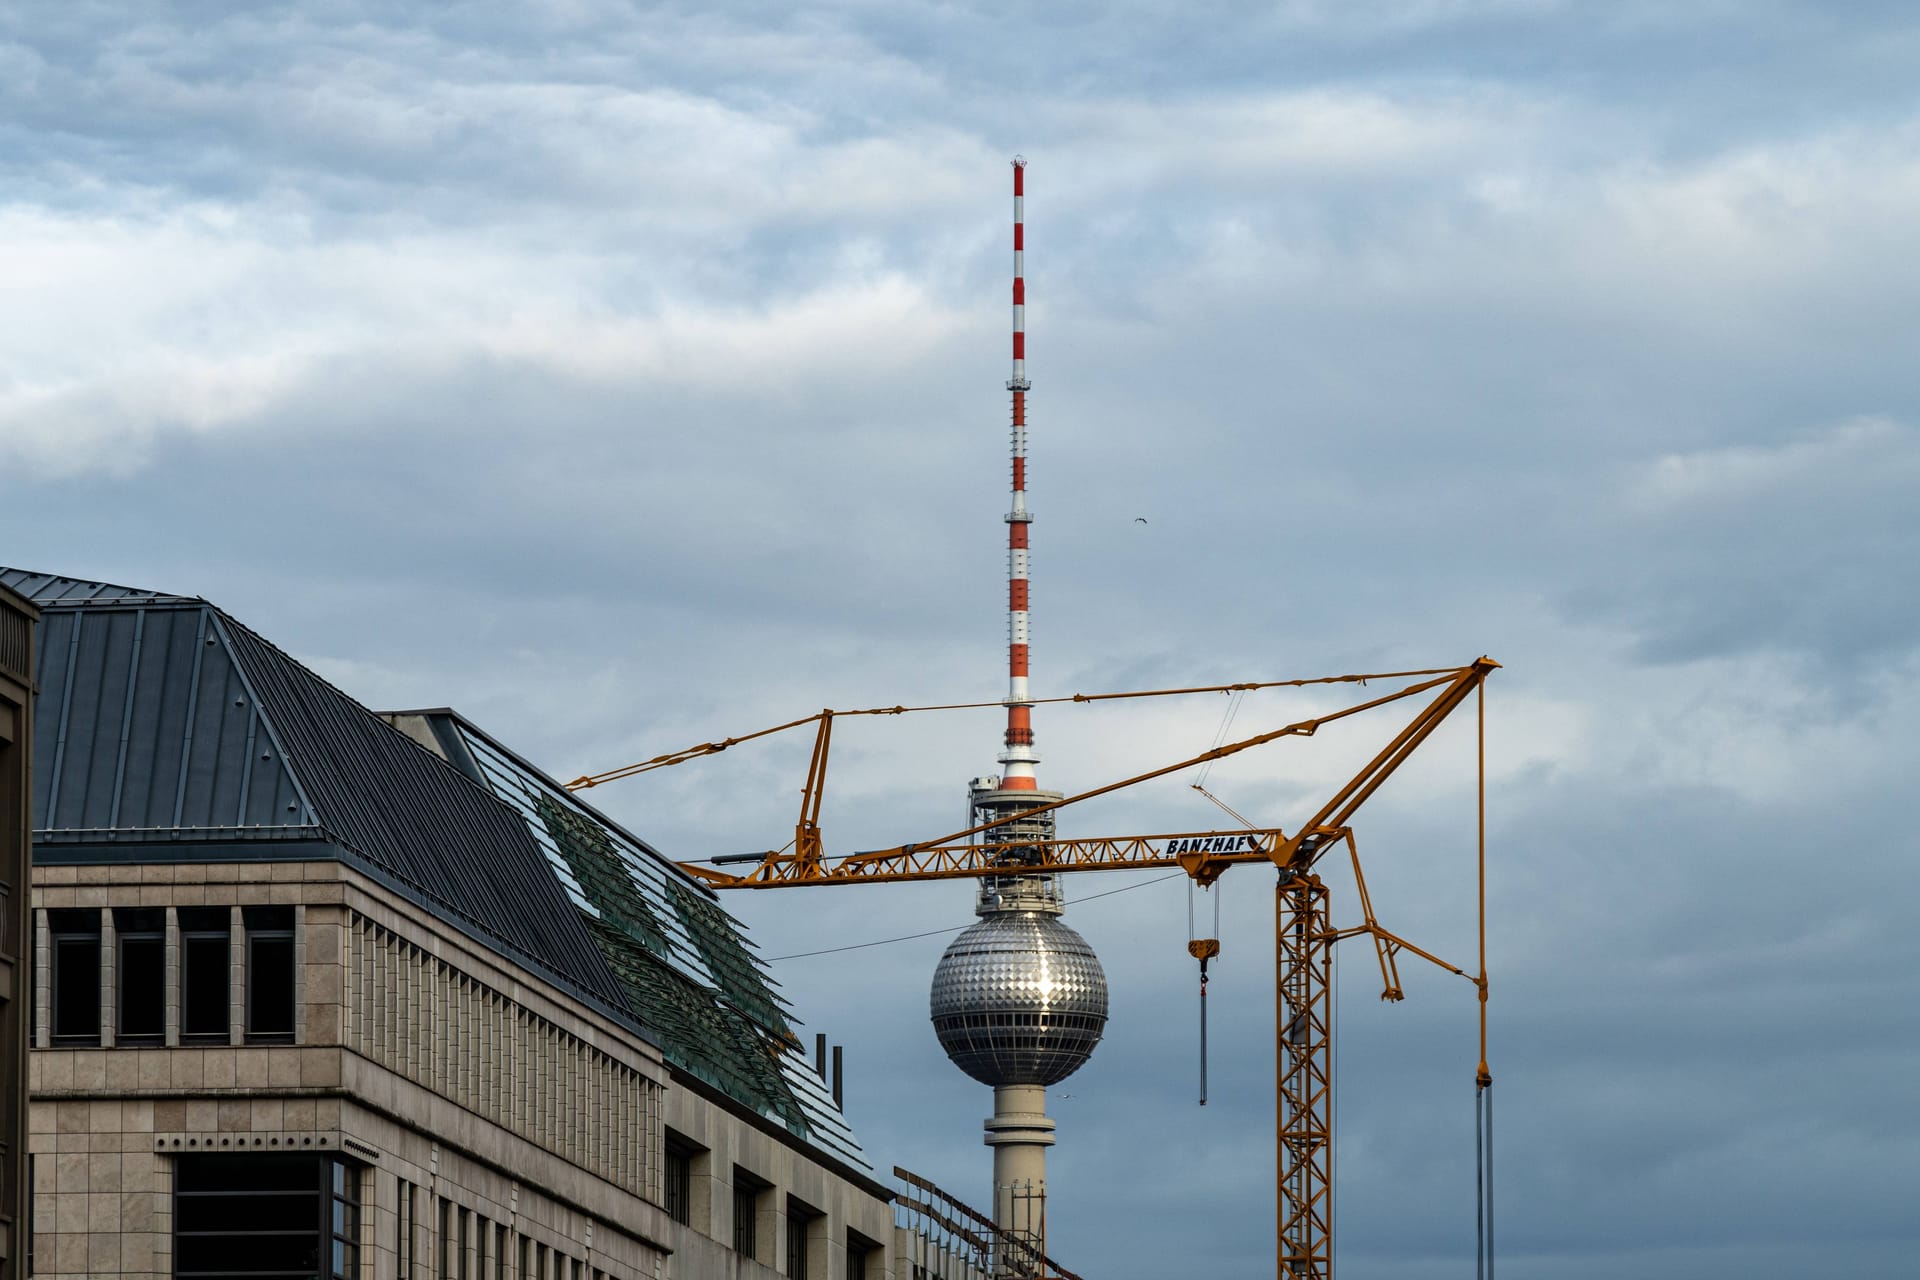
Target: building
{"x":17,"y":618}
{"x":320,"y":992}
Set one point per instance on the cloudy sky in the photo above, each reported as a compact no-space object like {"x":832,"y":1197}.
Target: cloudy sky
{"x":627,"y":377}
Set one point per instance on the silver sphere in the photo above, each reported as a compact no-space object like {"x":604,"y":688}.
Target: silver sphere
{"x":1019,"y":998}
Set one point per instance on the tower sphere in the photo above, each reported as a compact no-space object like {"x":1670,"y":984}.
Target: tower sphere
{"x":1019,"y":998}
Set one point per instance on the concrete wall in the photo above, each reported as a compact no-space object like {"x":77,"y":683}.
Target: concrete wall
{"x":833,"y":1205}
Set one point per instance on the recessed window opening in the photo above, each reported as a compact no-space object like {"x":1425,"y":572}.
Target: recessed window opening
{"x":346,"y":1221}
{"x":747,"y":1190}
{"x":269,"y":974}
{"x":140,"y":934}
{"x":679,"y":1178}
{"x":264,"y":1215}
{"x":859,"y":1248}
{"x":205,"y":962}
{"x":403,"y":1230}
{"x":800,"y":1220}
{"x":75,"y":978}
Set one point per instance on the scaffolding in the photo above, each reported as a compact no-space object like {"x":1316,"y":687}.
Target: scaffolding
{"x":940,"y":1237}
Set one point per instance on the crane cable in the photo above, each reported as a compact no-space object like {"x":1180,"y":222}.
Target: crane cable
{"x":1205,"y":949}
{"x":1333,"y":1110}
{"x":909,"y":937}
{"x":1483,"y":1078}
{"x":699,"y":750}
{"x":1234,"y":700}
{"x":1483,"y":1180}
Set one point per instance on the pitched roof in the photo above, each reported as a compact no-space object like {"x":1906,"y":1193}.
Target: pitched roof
{"x":47,"y":588}
{"x":164,"y":721}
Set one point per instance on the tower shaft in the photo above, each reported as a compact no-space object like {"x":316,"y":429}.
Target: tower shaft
{"x":1019,"y":1131}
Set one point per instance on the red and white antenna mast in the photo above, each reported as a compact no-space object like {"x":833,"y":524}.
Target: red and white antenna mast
{"x":1018,"y":759}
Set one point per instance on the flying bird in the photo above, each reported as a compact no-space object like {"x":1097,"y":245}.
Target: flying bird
{"x":1139,"y":519}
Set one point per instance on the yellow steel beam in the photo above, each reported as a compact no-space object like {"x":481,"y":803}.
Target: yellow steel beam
{"x":1201,"y":854}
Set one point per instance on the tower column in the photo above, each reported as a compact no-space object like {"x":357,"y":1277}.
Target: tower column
{"x":1019,"y":1131}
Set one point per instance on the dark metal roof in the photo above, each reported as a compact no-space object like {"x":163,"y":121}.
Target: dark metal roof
{"x":162,"y":721}
{"x":147,"y":724}
{"x":47,"y":588}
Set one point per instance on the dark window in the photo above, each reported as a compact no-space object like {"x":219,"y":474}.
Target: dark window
{"x":269,"y":974}
{"x":346,"y":1221}
{"x":205,"y":959}
{"x":265,"y":1215}
{"x":403,"y":1230}
{"x":140,"y":933}
{"x":679,"y":1179}
{"x":746,"y":1212}
{"x":859,"y":1249}
{"x":799,"y":1226}
{"x":75,"y":1005}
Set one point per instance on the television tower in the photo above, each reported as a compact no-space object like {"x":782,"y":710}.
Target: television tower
{"x":1019,"y":999}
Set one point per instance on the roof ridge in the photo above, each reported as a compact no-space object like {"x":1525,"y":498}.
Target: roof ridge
{"x":59,"y":589}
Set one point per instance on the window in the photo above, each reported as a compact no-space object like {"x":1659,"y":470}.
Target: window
{"x":269,"y":974}
{"x":446,"y":1239}
{"x":747,"y":1190}
{"x":403,"y":1230}
{"x":859,"y":1248}
{"x":346,"y":1221}
{"x":252,"y":1215}
{"x":205,"y":959}
{"x":75,"y":980}
{"x":140,"y":934}
{"x":679,"y":1179}
{"x":800,"y":1220}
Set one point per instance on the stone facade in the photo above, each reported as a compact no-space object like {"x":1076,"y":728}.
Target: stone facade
{"x":493,"y":1124}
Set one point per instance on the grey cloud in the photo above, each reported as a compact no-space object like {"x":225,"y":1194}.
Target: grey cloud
{"x":627,"y":381}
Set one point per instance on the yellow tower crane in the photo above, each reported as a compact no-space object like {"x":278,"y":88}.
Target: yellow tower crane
{"x":1304,"y":934}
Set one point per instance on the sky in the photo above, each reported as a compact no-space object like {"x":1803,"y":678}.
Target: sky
{"x":631,"y":376}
